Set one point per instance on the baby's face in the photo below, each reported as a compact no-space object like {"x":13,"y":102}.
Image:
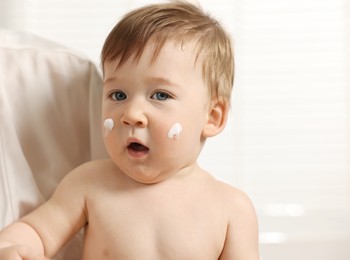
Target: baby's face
{"x":154,"y":113}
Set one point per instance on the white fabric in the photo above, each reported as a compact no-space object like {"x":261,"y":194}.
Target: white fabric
{"x":49,"y":121}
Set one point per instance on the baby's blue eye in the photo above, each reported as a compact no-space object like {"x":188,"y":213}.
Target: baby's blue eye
{"x":119,"y":95}
{"x":160,"y":96}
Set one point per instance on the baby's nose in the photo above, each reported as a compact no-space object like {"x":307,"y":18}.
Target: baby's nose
{"x":134,"y":115}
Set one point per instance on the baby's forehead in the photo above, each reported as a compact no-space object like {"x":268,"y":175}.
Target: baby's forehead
{"x":175,"y":61}
{"x":153,"y":49}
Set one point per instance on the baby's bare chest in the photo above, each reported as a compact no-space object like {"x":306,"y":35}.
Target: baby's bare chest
{"x":127,"y":227}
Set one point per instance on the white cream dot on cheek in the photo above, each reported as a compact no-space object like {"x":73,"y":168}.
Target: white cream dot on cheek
{"x":174,"y":131}
{"x":108,"y":125}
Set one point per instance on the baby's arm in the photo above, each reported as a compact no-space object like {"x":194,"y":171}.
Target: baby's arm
{"x":242,"y":231}
{"x":45,"y":230}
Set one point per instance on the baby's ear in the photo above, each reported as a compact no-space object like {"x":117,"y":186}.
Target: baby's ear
{"x":217,"y":117}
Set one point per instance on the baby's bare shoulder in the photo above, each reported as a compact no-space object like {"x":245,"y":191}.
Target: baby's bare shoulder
{"x":89,"y":174}
{"x":93,"y":169}
{"x":235,"y":200}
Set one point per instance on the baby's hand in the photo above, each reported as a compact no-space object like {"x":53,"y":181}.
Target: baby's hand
{"x":20,"y":253}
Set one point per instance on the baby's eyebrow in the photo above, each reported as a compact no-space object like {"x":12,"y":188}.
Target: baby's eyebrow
{"x":151,"y":80}
{"x":164,"y":81}
{"x":109,"y":80}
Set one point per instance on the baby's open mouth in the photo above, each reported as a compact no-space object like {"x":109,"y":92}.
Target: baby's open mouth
{"x":137,"y":147}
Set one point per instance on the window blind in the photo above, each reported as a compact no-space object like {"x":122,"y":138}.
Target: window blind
{"x":293,"y":75}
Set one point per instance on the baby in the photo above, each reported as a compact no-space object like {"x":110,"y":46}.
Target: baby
{"x":168,"y":75}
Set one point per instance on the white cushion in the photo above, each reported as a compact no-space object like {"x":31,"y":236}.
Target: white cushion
{"x":49,"y":120}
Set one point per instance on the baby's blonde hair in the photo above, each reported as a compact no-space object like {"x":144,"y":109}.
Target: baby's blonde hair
{"x":181,"y":21}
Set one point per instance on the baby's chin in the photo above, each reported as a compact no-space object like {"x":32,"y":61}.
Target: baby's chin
{"x":150,"y":176}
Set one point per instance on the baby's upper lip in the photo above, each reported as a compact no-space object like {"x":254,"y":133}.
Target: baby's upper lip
{"x":133,"y":140}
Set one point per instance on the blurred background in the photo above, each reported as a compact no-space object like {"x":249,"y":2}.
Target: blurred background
{"x":287,"y":142}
